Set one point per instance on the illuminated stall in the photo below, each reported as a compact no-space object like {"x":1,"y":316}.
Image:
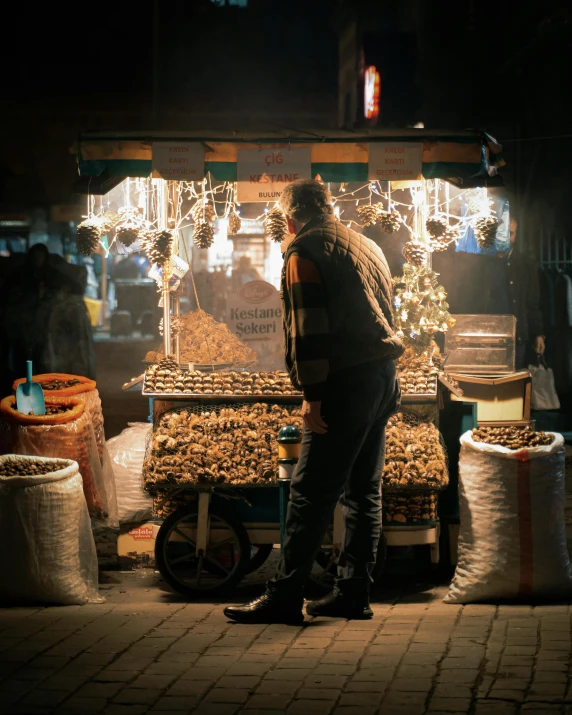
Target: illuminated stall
{"x":204,"y":211}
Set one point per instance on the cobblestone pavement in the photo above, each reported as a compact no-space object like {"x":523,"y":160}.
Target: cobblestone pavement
{"x":146,"y":651}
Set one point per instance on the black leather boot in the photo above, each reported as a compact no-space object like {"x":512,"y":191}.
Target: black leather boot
{"x":339,"y":605}
{"x":268,"y":608}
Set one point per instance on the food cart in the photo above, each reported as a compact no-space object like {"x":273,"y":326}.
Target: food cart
{"x":195,"y":203}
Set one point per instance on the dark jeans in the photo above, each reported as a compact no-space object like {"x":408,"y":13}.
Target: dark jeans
{"x":345,"y":463}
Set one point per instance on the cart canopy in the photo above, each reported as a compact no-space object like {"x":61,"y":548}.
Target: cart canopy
{"x":464,"y":158}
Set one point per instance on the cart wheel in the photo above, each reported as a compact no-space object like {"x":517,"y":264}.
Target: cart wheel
{"x":222,"y":565}
{"x":260,"y":552}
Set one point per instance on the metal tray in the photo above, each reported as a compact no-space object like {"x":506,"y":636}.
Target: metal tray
{"x":225,"y":399}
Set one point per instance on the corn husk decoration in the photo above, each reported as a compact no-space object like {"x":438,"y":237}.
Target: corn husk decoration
{"x":415,"y":253}
{"x":203,"y":234}
{"x":234,"y":223}
{"x":486,"y":231}
{"x":367,"y":214}
{"x":88,"y":234}
{"x":275,"y":225}
{"x":389,"y":221}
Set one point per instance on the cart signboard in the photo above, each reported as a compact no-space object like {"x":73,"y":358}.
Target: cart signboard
{"x":254,"y":315}
{"x":395,"y":161}
{"x":179,"y":161}
{"x":263,"y":173}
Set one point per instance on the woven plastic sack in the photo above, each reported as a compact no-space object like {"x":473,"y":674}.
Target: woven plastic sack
{"x":73,"y":440}
{"x":127,"y":452}
{"x":47,"y":552}
{"x":512,"y":541}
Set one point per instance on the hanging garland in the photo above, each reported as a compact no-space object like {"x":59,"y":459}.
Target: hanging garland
{"x":415,"y":252}
{"x":420,"y":308}
{"x":389,"y":221}
{"x":486,"y":231}
{"x":203,"y":210}
{"x":275,"y":225}
{"x":442,"y":234}
{"x":368,"y":214}
{"x":88,"y":234}
{"x":234,"y":223}
{"x":203,"y":235}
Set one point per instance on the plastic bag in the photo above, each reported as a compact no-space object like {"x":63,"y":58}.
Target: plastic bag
{"x":544,"y":396}
{"x":127,"y":452}
{"x":512,"y":541}
{"x":26,"y":435}
{"x":47,"y":552}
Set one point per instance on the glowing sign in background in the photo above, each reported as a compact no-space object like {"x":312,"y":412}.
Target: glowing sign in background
{"x":372,"y":87}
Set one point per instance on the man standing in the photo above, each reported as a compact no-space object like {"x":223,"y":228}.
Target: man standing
{"x":523,"y":301}
{"x":340,"y":351}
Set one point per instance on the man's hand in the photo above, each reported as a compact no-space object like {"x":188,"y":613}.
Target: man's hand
{"x":311,"y":414}
{"x":539,"y":345}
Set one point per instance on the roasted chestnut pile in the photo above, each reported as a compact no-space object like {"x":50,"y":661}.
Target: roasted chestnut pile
{"x":54,"y":410}
{"x":58,"y":384}
{"x":414,"y":455}
{"x":409,"y":508}
{"x":22,"y":468}
{"x":512,"y":437}
{"x":164,"y":378}
{"x":231,"y":445}
{"x":417,"y":374}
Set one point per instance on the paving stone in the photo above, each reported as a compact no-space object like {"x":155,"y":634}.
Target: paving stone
{"x":449,"y":704}
{"x":285,"y":687}
{"x":360,"y":699}
{"x":226,"y":695}
{"x":138,"y":695}
{"x":310,"y":707}
{"x":268,"y":701}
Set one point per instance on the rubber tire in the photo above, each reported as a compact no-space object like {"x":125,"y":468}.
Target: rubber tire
{"x":259,"y":558}
{"x":243,"y":544}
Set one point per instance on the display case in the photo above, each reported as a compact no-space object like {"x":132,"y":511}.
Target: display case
{"x":481,"y":345}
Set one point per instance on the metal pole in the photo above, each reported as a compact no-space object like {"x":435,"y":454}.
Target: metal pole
{"x":103,"y":313}
{"x":176,"y":313}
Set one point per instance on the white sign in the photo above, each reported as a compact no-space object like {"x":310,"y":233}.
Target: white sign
{"x":395,"y":161}
{"x":263,"y":173}
{"x":254,"y":314}
{"x":179,"y":161}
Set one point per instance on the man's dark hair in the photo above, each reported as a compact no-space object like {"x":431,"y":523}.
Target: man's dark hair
{"x":305,"y":199}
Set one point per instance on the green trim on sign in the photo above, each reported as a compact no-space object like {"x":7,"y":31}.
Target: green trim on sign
{"x":451,"y":170}
{"x":115,"y":167}
{"x":333,"y":171}
{"x":221,"y":170}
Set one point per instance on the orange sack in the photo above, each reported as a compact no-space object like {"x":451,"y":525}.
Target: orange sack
{"x":67,"y":435}
{"x":53,"y":385}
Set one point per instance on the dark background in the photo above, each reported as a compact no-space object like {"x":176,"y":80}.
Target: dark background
{"x":503,"y":66}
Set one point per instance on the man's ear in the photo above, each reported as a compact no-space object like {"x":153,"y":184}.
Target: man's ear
{"x":291,"y":225}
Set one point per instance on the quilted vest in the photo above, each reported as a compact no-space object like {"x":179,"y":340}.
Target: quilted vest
{"x":358,"y":286}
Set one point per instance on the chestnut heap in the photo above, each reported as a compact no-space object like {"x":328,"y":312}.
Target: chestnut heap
{"x":170,"y":379}
{"x":417,"y":374}
{"x":232,"y":446}
{"x":414,"y":455}
{"x":21,"y":468}
{"x":512,"y":437}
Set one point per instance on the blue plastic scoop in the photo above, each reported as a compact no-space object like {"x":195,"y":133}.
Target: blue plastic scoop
{"x":29,"y":395}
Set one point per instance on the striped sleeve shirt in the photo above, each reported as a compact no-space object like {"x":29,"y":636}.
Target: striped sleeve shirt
{"x":309,"y":327}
